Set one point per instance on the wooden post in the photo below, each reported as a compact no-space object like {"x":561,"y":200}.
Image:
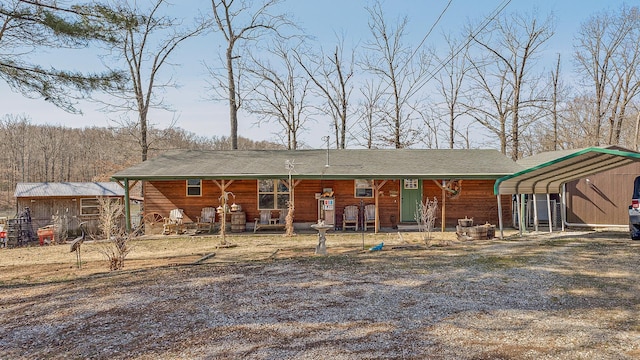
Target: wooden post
{"x":127,"y":207}
{"x":377,"y":188}
{"x":444,"y":206}
{"x":500,"y":217}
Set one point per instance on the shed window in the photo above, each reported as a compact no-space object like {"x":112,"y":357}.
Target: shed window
{"x":194,"y":187}
{"x":89,"y":206}
{"x":272,"y":194}
{"x":364,"y":188}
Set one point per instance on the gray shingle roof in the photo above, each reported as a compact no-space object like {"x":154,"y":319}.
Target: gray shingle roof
{"x":50,"y":189}
{"x":360,"y":163}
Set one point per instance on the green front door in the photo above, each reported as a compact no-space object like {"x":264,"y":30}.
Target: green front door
{"x":411,"y":194}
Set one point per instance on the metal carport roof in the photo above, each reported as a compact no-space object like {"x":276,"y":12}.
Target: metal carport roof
{"x":545,"y":173}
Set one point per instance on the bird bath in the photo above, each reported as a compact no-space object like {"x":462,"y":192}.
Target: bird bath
{"x":321,"y":249}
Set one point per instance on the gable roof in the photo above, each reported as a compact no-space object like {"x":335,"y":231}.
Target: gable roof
{"x":546,"y":172}
{"x":53,"y":189}
{"x":309,"y":164}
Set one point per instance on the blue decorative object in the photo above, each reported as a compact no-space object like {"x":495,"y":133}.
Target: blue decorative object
{"x":377,"y":247}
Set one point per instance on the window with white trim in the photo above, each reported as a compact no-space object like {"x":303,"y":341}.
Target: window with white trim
{"x":272,"y":194}
{"x":363,"y":188}
{"x":194,"y":187}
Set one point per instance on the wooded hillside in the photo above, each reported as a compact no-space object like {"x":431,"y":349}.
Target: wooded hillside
{"x":54,"y":153}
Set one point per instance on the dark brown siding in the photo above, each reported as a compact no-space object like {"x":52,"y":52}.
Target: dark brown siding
{"x":605,"y":199}
{"x":476,"y":199}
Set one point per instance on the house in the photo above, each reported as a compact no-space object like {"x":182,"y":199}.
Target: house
{"x":71,"y":202}
{"x":321,"y":183}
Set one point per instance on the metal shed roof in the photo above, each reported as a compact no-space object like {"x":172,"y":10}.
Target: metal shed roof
{"x":64,"y":189}
{"x":334,"y":164}
{"x":545,"y":173}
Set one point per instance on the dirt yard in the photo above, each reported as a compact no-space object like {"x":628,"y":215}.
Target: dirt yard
{"x":572,"y":295}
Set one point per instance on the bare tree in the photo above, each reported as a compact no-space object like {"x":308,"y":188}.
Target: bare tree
{"x":146,"y":40}
{"x":282,"y":96}
{"x":369,"y":121}
{"x":332,"y":75}
{"x":608,"y":54}
{"x":242,"y":25}
{"x":505,"y":83}
{"x":400,"y":74}
{"x":451,"y":80}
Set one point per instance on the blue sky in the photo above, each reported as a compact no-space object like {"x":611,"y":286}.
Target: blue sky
{"x":320,"y":19}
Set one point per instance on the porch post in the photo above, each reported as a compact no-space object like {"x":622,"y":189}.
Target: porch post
{"x":127,"y":207}
{"x":444,"y":206}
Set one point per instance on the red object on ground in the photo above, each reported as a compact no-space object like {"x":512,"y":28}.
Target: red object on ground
{"x":46,"y":233}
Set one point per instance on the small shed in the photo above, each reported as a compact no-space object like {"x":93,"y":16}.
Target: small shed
{"x":71,"y":202}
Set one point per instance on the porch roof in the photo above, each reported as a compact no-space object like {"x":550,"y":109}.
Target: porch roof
{"x":332,"y":164}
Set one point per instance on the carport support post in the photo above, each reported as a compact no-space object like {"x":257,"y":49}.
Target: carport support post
{"x":500,"y":217}
{"x":520,"y":203}
{"x":535,"y":212}
{"x":549,"y":213}
{"x":563,"y":206}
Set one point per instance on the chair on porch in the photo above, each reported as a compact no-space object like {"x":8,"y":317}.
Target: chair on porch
{"x":206,"y":221}
{"x":273,"y":220}
{"x":350,"y":217}
{"x":369,"y":216}
{"x":174,"y":222}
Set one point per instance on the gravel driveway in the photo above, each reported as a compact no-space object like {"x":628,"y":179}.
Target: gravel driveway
{"x":569,"y":296}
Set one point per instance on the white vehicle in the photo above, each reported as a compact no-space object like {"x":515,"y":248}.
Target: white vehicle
{"x":634,"y":211}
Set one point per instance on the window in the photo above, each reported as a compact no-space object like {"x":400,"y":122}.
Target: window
{"x":410,"y":184}
{"x":272,"y":194}
{"x":93,"y":206}
{"x":194,"y":187}
{"x":89,"y":206}
{"x":364,"y":188}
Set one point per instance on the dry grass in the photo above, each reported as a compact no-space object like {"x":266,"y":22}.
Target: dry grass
{"x":569,"y":295}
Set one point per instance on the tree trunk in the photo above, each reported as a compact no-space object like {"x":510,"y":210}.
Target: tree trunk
{"x":233,"y":106}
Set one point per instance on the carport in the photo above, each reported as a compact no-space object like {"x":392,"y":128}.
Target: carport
{"x":548,"y":172}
